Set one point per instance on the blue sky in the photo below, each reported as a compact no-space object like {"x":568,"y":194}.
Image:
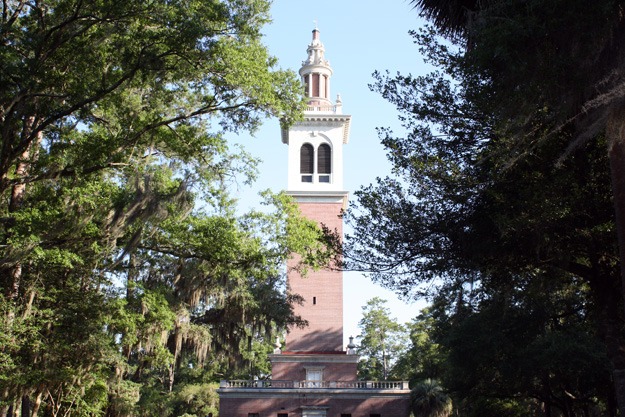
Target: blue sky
{"x":360,"y":37}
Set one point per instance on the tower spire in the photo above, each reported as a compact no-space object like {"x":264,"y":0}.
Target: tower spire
{"x":316,"y":73}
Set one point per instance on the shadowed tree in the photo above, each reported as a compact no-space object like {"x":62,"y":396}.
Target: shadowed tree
{"x":549,"y":69}
{"x":451,"y":17}
{"x":477,"y":203}
{"x":428,"y":399}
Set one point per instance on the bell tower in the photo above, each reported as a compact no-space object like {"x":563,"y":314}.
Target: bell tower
{"x":312,"y":375}
{"x":315,"y":181}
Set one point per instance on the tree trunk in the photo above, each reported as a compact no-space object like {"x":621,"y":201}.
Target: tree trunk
{"x":612,"y":406}
{"x":25,"y":406}
{"x":17,"y":197}
{"x":170,"y":381}
{"x":18,"y":192}
{"x":547,"y":399}
{"x":384,"y":371}
{"x":37,"y":404}
{"x":615,"y":132}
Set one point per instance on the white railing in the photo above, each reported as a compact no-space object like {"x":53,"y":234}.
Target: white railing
{"x":364,"y":385}
{"x":324,"y":109}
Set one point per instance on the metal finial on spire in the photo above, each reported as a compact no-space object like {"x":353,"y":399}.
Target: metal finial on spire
{"x":315,"y":21}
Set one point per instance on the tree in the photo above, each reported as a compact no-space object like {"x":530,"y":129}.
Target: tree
{"x":133,"y":78}
{"x":381,"y":341}
{"x":121,"y":258}
{"x":423,"y":357}
{"x":547,"y":71}
{"x":451,"y":17}
{"x":429,"y":400}
{"x":531,"y":349}
{"x":470,"y":214}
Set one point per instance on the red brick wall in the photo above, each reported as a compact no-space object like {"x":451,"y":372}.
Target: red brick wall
{"x":386,"y":407}
{"x":322,"y":292}
{"x":357,"y":407}
{"x":296,"y":371}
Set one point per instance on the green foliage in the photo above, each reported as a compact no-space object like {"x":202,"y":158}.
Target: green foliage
{"x":198,"y":399}
{"x":423,"y":357}
{"x":429,"y":400}
{"x":539,"y":348}
{"x":495,"y":407}
{"x":499,"y":212}
{"x":382,"y":341}
{"x":125,"y":395}
{"x":123,"y":265}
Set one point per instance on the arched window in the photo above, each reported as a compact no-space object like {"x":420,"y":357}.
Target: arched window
{"x":324,"y":159}
{"x":306,"y":162}
{"x":306,"y":154}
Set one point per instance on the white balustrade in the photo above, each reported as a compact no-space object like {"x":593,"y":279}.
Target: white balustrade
{"x":358,"y":385}
{"x":325,"y":109}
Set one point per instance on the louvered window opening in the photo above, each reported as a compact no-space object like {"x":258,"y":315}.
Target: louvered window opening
{"x":324,"y":159}
{"x":315,"y":85}
{"x":307,"y":153}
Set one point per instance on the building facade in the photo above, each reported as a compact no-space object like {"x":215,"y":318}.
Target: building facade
{"x":312,"y":374}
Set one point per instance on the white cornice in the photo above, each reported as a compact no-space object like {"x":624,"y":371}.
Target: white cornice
{"x":320,"y":197}
{"x":327,"y":119}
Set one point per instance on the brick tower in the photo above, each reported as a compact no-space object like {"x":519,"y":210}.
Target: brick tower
{"x":312,"y":374}
{"x":315,"y":181}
